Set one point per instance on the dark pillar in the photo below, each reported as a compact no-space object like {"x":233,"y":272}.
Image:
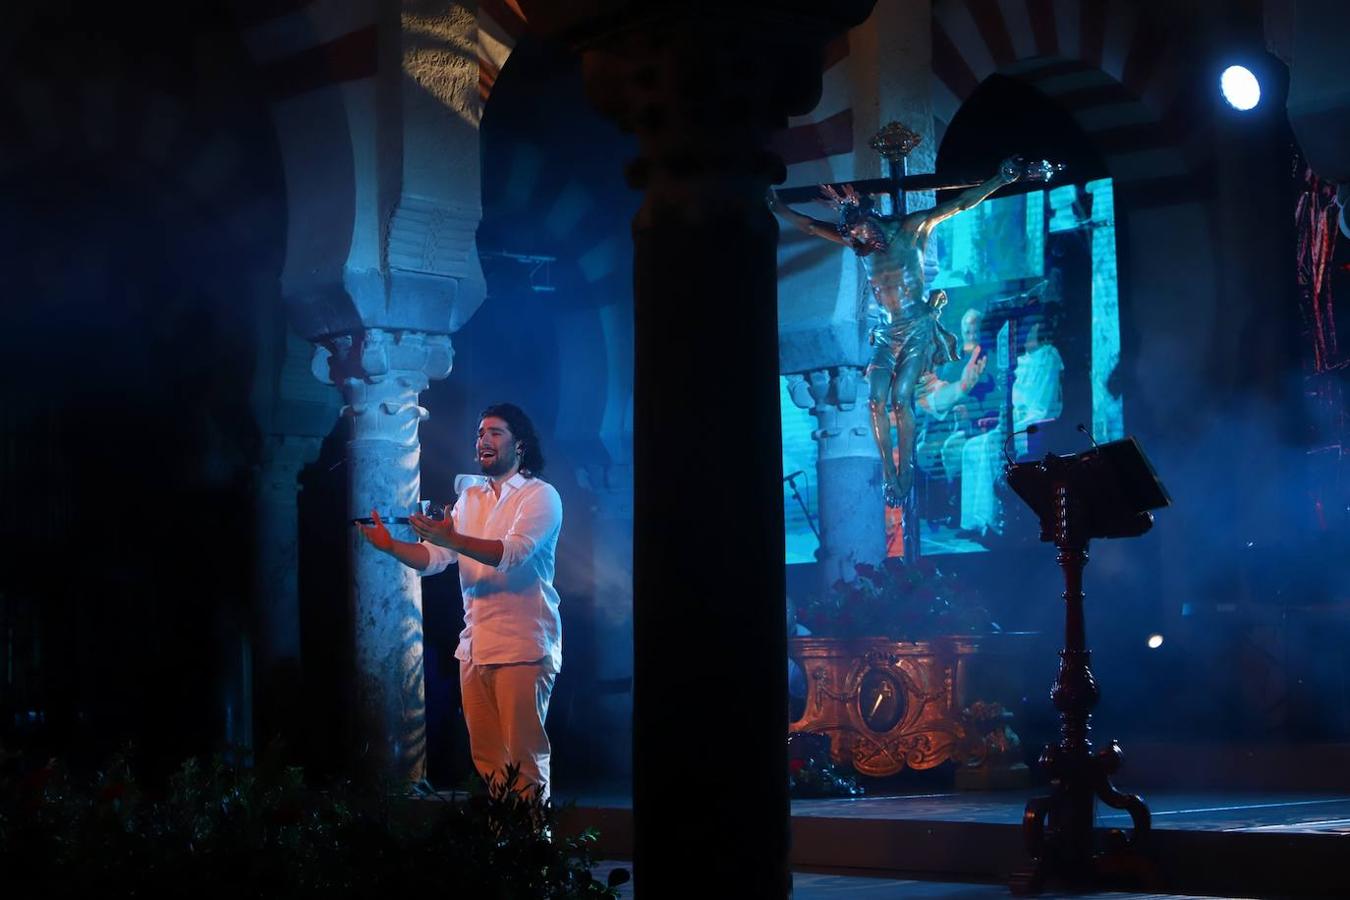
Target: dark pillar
{"x":704,"y":87}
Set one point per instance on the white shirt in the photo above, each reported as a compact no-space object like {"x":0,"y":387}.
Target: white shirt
{"x":510,"y":611}
{"x":1037,"y":395}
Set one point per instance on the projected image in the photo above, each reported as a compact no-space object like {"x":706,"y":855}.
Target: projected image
{"x":1031,"y":290}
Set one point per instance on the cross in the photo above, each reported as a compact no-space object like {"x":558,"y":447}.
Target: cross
{"x":894,"y":143}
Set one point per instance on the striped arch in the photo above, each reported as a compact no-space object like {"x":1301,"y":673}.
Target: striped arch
{"x":818,"y":147}
{"x":500,"y":25}
{"x":1114,"y":70}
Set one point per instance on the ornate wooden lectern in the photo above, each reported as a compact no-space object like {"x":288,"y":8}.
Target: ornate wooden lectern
{"x":1106,"y":491}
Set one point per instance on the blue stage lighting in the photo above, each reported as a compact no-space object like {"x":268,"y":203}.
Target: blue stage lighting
{"x":1240,"y":88}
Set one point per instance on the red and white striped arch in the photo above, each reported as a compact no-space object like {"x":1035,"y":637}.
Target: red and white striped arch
{"x":1116,"y":72}
{"x":818,"y":147}
{"x":1113,"y":69}
{"x":500,"y":25}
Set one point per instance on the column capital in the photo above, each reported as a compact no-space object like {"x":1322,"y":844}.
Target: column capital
{"x":847,"y":469}
{"x":374,"y":353}
{"x":703,"y":87}
{"x":380,"y":373}
{"x":838,"y":386}
{"x":837,"y":398}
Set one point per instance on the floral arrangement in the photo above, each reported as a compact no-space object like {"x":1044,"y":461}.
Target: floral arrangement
{"x":903,"y":602}
{"x":993,"y":740}
{"x":810,"y":772}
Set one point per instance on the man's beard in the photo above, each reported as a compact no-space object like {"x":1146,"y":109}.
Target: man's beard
{"x":498,"y":465}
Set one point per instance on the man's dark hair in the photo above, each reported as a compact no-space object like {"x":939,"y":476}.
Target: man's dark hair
{"x":522,"y":430}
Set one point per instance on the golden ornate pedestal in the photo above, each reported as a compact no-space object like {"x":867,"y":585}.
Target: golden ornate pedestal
{"x":890,"y":705}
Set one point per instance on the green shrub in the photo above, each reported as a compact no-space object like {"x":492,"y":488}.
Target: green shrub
{"x":218,"y":830}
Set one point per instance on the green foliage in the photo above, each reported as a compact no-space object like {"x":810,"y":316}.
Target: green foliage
{"x":810,"y":771}
{"x":898,"y":601}
{"x":216,"y":830}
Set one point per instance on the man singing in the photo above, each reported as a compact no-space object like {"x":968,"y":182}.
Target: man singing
{"x":503,"y":532}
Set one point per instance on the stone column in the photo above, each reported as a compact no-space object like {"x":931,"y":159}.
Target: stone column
{"x":277,"y":657}
{"x":294,"y":413}
{"x":703,"y":88}
{"x":381,"y":373}
{"x":382,"y":180}
{"x":848,"y":473}
{"x":283,"y":457}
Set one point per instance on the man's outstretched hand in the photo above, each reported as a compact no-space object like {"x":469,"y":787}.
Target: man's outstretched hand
{"x":377,"y":534}
{"x":440,"y":532}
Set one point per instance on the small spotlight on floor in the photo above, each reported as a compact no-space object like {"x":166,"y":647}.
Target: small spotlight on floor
{"x":1154,"y":641}
{"x":1240,"y":88}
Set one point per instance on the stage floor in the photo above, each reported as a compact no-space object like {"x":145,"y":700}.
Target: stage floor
{"x":1252,"y":811}
{"x":967,"y":844}
{"x":1180,"y":810}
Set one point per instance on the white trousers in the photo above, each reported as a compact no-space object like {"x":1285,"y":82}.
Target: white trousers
{"x":504,"y":707}
{"x":980,"y":458}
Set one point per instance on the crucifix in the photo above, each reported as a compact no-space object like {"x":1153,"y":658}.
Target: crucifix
{"x":909,"y":340}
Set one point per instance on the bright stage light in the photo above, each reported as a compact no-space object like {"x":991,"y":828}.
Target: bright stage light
{"x":1154,"y":641}
{"x":1240,"y":88}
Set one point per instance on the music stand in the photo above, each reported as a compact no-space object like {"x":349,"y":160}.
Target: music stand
{"x":1104,"y":492}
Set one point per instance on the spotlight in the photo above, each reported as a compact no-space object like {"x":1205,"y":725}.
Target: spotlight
{"x":1154,"y":641}
{"x":1240,"y":88}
